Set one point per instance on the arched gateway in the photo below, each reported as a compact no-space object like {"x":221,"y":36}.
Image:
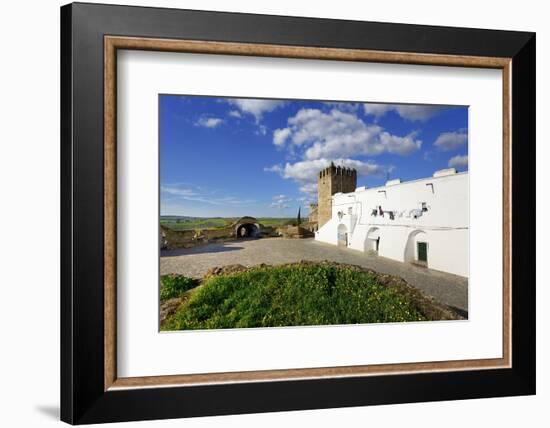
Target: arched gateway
{"x":246,"y":227}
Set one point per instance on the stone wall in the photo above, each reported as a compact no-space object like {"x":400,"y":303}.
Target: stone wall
{"x":295,"y":232}
{"x":208,"y":234}
{"x":170,"y":239}
{"x":312,"y":217}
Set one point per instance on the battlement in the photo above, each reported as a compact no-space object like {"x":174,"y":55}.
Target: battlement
{"x":337,"y":170}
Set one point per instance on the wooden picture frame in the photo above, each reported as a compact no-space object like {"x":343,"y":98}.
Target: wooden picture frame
{"x":91,"y":390}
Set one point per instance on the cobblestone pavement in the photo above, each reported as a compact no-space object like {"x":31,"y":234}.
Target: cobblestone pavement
{"x":449,"y":289}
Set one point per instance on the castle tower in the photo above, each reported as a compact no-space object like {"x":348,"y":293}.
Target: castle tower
{"x":333,"y":179}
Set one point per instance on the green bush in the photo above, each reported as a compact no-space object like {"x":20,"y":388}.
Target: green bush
{"x":174,"y":285}
{"x":293,"y":296}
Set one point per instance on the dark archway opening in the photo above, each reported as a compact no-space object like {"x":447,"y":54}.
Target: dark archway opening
{"x":248,"y":230}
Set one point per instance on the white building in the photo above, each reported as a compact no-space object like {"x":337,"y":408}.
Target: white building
{"x":422,"y":221}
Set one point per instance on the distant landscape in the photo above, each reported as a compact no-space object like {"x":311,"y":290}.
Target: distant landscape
{"x":189,"y":223}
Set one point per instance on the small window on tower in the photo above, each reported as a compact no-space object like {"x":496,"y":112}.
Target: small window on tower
{"x":350,"y":210}
{"x":424,"y":206}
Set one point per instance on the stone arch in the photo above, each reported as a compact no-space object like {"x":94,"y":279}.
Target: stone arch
{"x":412,"y":247}
{"x":342,"y":236}
{"x":372,"y":241}
{"x":246,"y":227}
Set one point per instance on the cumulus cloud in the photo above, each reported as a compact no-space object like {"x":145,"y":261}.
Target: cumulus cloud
{"x":416,"y":112}
{"x":459,"y":161}
{"x":305,"y":172}
{"x":451,"y":140}
{"x":255,"y":107}
{"x":400,"y":145}
{"x":209,"y":122}
{"x":413,"y":113}
{"x":377,"y":110}
{"x":235,"y":113}
{"x":280,"y":136}
{"x":338,"y":134}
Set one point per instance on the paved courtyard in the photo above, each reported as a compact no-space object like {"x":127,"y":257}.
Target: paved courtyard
{"x":449,"y":289}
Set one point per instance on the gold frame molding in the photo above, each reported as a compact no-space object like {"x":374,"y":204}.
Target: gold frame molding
{"x":113,"y":43}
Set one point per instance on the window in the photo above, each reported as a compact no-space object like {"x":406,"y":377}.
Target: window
{"x":424,"y":206}
{"x":350,"y":210}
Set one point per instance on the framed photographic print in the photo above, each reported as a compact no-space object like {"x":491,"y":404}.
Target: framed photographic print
{"x":266,"y":213}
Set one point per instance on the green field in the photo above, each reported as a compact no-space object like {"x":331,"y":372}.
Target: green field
{"x":297,"y":295}
{"x":186,"y":223}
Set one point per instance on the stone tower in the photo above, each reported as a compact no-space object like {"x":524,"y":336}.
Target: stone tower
{"x":333,"y":179}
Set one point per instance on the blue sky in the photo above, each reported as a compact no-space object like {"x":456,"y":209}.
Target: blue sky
{"x":230,"y":157}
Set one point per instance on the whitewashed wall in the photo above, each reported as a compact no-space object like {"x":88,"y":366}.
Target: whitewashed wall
{"x":444,"y":226}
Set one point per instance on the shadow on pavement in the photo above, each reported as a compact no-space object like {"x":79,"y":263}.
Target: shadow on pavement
{"x":209,"y":248}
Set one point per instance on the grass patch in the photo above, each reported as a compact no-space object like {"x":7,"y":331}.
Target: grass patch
{"x":273,"y":221}
{"x":294,"y":295}
{"x":175,"y":285}
{"x":195,"y":223}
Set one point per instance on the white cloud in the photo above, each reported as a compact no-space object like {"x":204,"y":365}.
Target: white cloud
{"x":255,"y":107}
{"x":197,"y":195}
{"x":305,"y":172}
{"x":451,"y":140}
{"x":281,"y":198}
{"x":209,"y":122}
{"x":274,"y":168}
{"x":280,"y":202}
{"x":416,"y":112}
{"x":235,"y":113}
{"x":459,"y":161}
{"x":262,"y":130}
{"x":377,"y":110}
{"x":177,"y":191}
{"x":400,"y":145}
{"x":280,"y":136}
{"x":338,"y":134}
{"x":409,"y":112}
{"x":309,"y":189}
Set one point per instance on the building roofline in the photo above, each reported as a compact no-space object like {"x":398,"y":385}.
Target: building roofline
{"x":409,"y":182}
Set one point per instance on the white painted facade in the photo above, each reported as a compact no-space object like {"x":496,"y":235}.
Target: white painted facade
{"x":424,"y":221}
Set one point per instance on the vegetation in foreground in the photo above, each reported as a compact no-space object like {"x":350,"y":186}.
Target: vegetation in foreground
{"x":299,"y":295}
{"x":175,"y":285}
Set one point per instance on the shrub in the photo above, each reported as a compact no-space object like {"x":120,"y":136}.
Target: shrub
{"x":293,"y":296}
{"x":174,"y":285}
